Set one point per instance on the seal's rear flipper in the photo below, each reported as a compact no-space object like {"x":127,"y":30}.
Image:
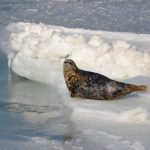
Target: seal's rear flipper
{"x":140,"y":88}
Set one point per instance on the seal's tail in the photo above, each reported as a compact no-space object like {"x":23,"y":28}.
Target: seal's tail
{"x":139,"y":88}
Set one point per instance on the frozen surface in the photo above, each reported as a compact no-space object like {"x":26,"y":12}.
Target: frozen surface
{"x":37,"y":52}
{"x":91,"y":50}
{"x":35,"y":115}
{"x":30,"y":120}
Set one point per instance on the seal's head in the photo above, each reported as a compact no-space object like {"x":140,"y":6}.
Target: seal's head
{"x":70,"y":65}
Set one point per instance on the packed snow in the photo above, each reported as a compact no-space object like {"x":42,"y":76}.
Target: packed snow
{"x":115,"y":58}
{"x":37,"y":52}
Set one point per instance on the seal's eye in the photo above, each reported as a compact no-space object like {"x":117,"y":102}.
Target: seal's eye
{"x":70,"y":63}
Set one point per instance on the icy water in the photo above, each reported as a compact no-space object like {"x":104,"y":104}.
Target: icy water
{"x":108,"y":15}
{"x":31,"y":114}
{"x":3,"y":77}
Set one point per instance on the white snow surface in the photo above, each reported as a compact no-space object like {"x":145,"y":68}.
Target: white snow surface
{"x":117,"y":58}
{"x":37,"y":52}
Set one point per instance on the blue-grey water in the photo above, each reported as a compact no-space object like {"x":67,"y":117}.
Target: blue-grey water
{"x":109,"y":15}
{"x":3,"y":77}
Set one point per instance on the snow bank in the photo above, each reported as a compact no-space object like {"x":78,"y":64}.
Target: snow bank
{"x":37,"y":52}
{"x":89,"y":49}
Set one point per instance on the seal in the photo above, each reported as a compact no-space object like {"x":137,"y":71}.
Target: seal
{"x":90,"y":85}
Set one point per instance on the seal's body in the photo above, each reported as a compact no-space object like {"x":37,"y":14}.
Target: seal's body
{"x":92,"y":85}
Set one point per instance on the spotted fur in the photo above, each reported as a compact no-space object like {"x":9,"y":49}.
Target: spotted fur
{"x":92,"y":85}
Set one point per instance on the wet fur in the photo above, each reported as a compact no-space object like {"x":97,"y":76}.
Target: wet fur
{"x":92,"y":85}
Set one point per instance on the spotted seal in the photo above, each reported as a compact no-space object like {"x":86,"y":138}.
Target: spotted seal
{"x":90,"y":85}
